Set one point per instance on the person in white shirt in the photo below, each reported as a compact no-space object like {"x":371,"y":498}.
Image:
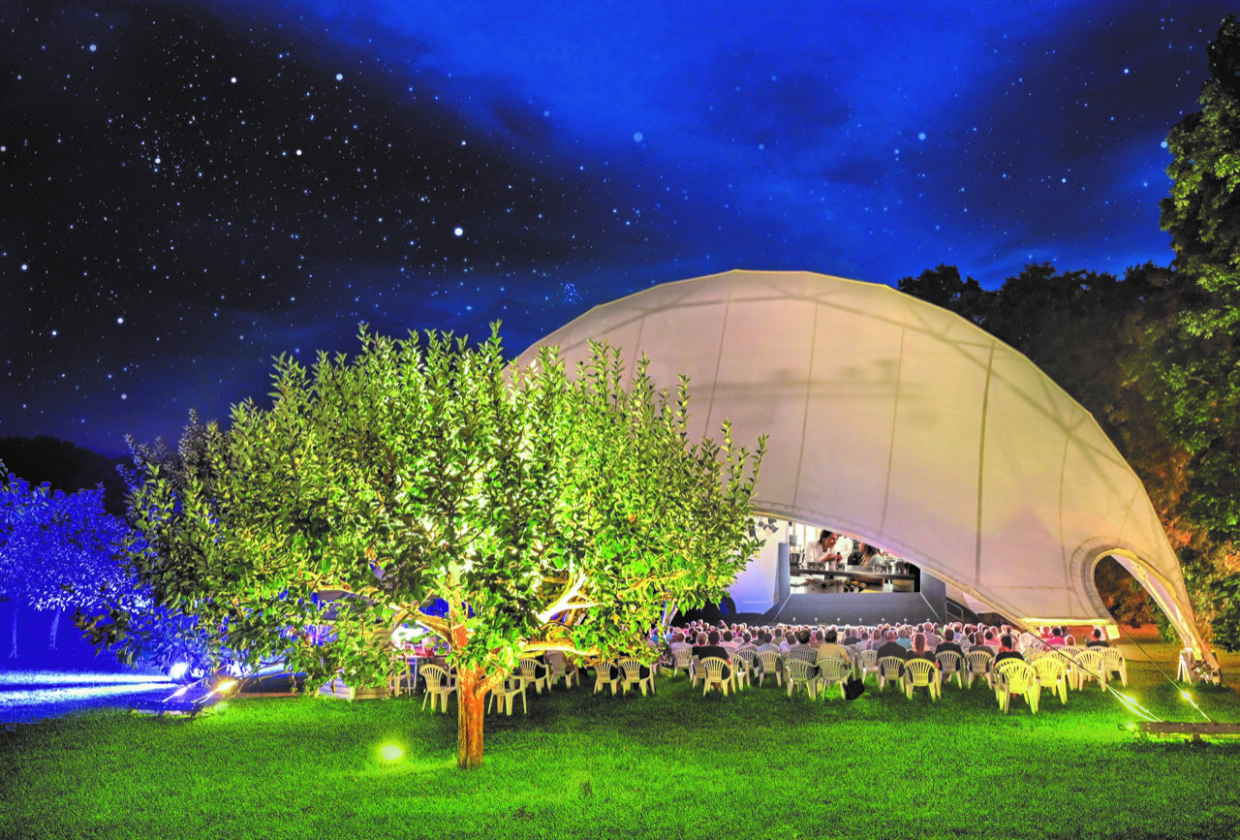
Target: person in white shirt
{"x":816,"y":552}
{"x":843,"y":547}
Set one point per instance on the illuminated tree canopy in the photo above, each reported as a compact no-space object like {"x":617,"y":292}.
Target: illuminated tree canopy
{"x":57,"y":550}
{"x":550,"y":511}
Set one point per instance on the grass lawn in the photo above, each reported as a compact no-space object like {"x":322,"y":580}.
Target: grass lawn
{"x":672,"y":765}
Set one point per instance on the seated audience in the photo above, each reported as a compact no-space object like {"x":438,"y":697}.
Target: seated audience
{"x":830,"y":647}
{"x":948,"y":643}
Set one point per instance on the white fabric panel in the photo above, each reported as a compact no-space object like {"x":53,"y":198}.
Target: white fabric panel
{"x":754,"y":588}
{"x":901,"y":424}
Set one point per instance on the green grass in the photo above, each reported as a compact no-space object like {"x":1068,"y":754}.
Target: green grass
{"x":673,"y":765}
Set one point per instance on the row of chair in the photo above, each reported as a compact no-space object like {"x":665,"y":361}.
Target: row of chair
{"x":1057,"y":670}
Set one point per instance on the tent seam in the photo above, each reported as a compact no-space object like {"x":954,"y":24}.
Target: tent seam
{"x":981,"y":467}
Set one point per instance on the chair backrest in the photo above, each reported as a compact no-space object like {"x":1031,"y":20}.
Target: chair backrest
{"x":1112,"y":656}
{"x":435,"y":676}
{"x":1070,"y":653}
{"x":528,"y":667}
{"x":1051,"y":669}
{"x":833,"y":668}
{"x":799,"y":669}
{"x":1091,"y":661}
{"x":869,"y":659}
{"x":770,"y":661}
{"x":748,"y":654}
{"x":557,"y":662}
{"x":950,"y":661}
{"x":713,"y":666}
{"x":889,"y":666}
{"x":1017,"y":673}
{"x":632,"y":668}
{"x":921,"y":670}
{"x":979,"y":659}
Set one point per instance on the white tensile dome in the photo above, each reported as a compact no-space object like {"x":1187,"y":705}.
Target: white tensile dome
{"x":906,"y":426}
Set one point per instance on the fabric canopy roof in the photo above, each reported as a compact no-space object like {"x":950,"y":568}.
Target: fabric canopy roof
{"x":903,"y":425}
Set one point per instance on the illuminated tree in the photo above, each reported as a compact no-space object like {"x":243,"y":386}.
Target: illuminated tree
{"x":550,"y":511}
{"x":58,"y":551}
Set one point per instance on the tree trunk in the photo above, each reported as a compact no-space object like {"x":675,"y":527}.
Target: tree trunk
{"x":470,"y":706}
{"x":13,"y":649}
{"x":51,"y":642}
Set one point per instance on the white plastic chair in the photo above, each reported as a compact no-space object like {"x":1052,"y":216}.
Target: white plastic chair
{"x":529,"y":674}
{"x":603,"y":678}
{"x":952,"y":666}
{"x":921,"y":673}
{"x":1015,"y":676}
{"x":631,"y":675}
{"x":890,"y":669}
{"x":867,"y":663}
{"x":507,"y":692}
{"x":559,"y":668}
{"x":439,"y":685}
{"x":681,"y":658}
{"x":803,"y":674}
{"x":978,"y":661}
{"x":1114,"y":661}
{"x":834,"y":671}
{"x":711,"y":671}
{"x":1053,"y":674}
{"x":772,"y":666}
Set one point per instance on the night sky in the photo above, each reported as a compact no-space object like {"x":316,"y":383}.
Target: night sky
{"x":188,"y":189}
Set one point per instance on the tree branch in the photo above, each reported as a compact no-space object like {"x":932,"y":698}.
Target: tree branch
{"x":564,"y":602}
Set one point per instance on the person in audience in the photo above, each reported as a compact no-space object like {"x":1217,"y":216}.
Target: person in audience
{"x":679,"y":643}
{"x":1096,"y":639}
{"x":890,"y":646}
{"x":989,"y":639}
{"x":1056,"y":638}
{"x":852,"y":636}
{"x":876,"y":639}
{"x":903,"y":639}
{"x":766,"y":640}
{"x":1007,"y":649}
{"x":830,"y":647}
{"x":919,"y":650}
{"x":932,"y":636}
{"x":948,"y":643}
{"x":729,"y":642}
{"x":802,"y":649}
{"x":708,"y":645}
{"x":790,"y":639}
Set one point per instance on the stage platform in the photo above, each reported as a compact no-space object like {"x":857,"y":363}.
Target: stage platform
{"x":868,"y":608}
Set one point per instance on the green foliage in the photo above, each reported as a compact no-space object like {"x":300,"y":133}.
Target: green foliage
{"x":1194,"y":352}
{"x":549,"y":511}
{"x":1226,"y":623}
